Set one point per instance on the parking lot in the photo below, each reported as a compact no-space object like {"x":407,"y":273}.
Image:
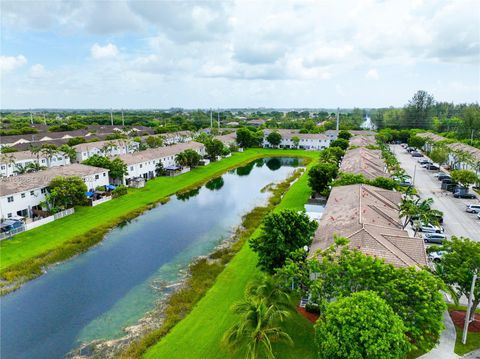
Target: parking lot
{"x":455,"y":221}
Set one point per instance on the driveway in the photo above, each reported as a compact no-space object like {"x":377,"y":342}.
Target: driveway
{"x":456,"y":221}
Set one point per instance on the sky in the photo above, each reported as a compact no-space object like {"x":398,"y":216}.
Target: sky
{"x":232,"y":54}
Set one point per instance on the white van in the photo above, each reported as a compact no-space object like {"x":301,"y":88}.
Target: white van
{"x":473,"y":208}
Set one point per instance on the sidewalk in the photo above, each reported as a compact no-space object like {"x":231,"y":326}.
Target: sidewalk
{"x":445,"y":347}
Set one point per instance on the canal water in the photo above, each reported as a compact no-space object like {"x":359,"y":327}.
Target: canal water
{"x":98,"y":293}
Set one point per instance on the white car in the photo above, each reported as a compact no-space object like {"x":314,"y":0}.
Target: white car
{"x":434,"y":238}
{"x":429,"y":228}
{"x":473,"y":208}
{"x":439,"y":174}
{"x":436,"y":256}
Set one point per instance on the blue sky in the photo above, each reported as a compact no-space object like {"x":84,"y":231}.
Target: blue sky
{"x":201,"y":54}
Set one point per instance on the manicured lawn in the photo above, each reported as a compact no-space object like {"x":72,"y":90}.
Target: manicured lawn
{"x":473,"y":342}
{"x":28,"y":245}
{"x":199,"y":334}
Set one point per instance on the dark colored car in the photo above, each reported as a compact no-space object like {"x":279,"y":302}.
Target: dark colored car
{"x":432,"y":168}
{"x":460,"y":194}
{"x":443,"y":177}
{"x":416,"y":154}
{"x":415,"y":218}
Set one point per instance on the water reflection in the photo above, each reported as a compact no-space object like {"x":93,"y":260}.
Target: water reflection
{"x":274,"y":164}
{"x":215,"y":184}
{"x":185,"y":196}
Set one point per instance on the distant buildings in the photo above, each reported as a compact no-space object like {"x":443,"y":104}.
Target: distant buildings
{"x":306,"y":141}
{"x":105,"y":148}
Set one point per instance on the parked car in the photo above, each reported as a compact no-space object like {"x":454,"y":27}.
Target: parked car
{"x":410,"y":149}
{"x":434,"y":238}
{"x":478,"y":215}
{"x":423,"y":161}
{"x":436,"y":256}
{"x":429,"y":228}
{"x":416,"y":154}
{"x":443,"y":176}
{"x":438,"y":174}
{"x":415,"y":218}
{"x":462,"y":194}
{"x":432,"y":167}
{"x":473,"y":208}
{"x":426,"y":164}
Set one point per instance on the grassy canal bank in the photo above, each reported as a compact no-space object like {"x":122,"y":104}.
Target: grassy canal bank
{"x":24,"y":256}
{"x":199,"y":334}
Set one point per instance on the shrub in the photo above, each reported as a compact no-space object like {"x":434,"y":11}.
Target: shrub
{"x":119,"y":191}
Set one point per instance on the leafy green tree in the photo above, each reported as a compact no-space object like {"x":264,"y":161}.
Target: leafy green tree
{"x":116,"y":167}
{"x":331,"y":155}
{"x":460,"y":261}
{"x":296,"y":141}
{"x":188,"y":158}
{"x":413,"y":294}
{"x":345,"y":135}
{"x":257,"y":328}
{"x":321,"y":175}
{"x":464,"y":177}
{"x":160,"y":170}
{"x":282,"y":233}
{"x":154,"y":141}
{"x":419,"y":111}
{"x":340,"y":142}
{"x":76,"y":141}
{"x":66,"y":192}
{"x":421,"y":210}
{"x":439,"y":155}
{"x":214,"y":149}
{"x":361,"y":325}
{"x":247,"y":138}
{"x":20,"y":169}
{"x":383,"y":182}
{"x":416,"y":141}
{"x":345,"y":179}
{"x":274,"y":138}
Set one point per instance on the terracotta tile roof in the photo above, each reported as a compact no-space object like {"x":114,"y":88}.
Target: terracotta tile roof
{"x":369,"y":218}
{"x":362,"y":140}
{"x":363,"y":161}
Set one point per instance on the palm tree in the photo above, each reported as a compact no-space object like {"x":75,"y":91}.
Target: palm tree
{"x":35,"y":151}
{"x":268,"y":288}
{"x":34,"y":167}
{"x":69,"y":151}
{"x":257,"y":328}
{"x":20,"y":169}
{"x":8,"y":159}
{"x":49,"y":151}
{"x":421,"y":209}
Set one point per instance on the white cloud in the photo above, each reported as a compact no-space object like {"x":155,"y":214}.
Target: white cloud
{"x":103,"y":52}
{"x":372,"y":74}
{"x":37,"y":71}
{"x":10,"y":63}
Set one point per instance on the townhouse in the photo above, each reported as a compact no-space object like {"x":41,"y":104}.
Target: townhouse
{"x":143,"y":164}
{"x":21,"y":195}
{"x":307,"y":141}
{"x":14,"y":162}
{"x":369,"y":217}
{"x":105,"y":148}
{"x":461,"y":156}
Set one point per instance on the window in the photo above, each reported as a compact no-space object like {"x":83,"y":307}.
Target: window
{"x":23,"y":195}
{"x":32,"y":193}
{"x":3,"y":167}
{"x":9,"y":215}
{"x":43,"y":161}
{"x":44,"y":190}
{"x":97,"y":177}
{"x":141,"y":165}
{"x":10,"y":199}
{"x":104,"y":174}
{"x":131,"y":168}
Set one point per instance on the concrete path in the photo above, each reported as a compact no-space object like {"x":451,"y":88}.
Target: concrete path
{"x":473,"y":355}
{"x":445,"y":348}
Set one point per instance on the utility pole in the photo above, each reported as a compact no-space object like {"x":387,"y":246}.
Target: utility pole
{"x":218,"y":119}
{"x":44,"y":120}
{"x":123,"y":120}
{"x":472,"y":135}
{"x":211,"y":119}
{"x":338,"y":118}
{"x":414,"y":173}
{"x":111,"y":116}
{"x":469,"y":308}
{"x":31,"y":118}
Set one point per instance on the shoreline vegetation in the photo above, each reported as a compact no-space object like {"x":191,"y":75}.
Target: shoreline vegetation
{"x":27,"y":255}
{"x":202,"y":273}
{"x":211,"y":316}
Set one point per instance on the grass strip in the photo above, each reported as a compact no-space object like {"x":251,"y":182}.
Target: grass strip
{"x":24,"y":256}
{"x":199,"y":334}
{"x":204,"y":272}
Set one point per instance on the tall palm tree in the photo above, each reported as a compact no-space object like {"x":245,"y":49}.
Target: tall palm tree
{"x":49,"y":151}
{"x":422,"y":209}
{"x":34,"y":167}
{"x":257,"y":328}
{"x":8,"y":159}
{"x":69,"y":151}
{"x":268,"y":288}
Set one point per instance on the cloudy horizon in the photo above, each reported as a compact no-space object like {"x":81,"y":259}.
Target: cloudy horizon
{"x":237,"y":54}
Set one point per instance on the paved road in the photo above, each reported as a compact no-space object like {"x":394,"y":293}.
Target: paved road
{"x":456,"y":221}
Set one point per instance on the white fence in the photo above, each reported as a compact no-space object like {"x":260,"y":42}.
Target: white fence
{"x":37,"y":223}
{"x":101,"y":200}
